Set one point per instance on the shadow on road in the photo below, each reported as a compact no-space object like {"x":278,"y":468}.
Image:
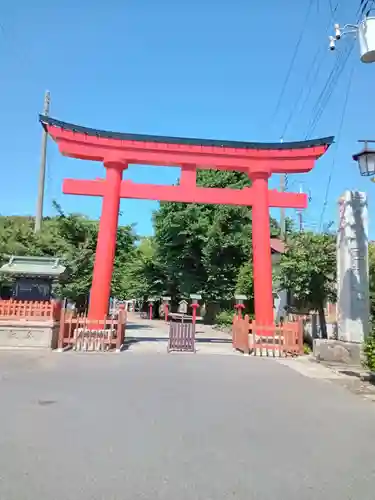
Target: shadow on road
{"x":137,"y":326}
{"x":129,"y":341}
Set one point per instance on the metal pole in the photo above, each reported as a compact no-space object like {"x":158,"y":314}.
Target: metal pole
{"x":282,"y":210}
{"x":300,"y":221}
{"x":42,"y":170}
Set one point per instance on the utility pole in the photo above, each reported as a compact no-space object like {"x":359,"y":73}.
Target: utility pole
{"x":364,"y":32}
{"x":282,"y":210}
{"x":300,"y":216}
{"x":42,"y":171}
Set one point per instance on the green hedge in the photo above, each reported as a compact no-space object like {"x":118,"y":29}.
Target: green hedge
{"x":225,"y":318}
{"x":369,"y":351}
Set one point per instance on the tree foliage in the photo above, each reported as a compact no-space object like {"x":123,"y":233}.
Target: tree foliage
{"x":207,"y":248}
{"x":70,"y":237}
{"x":197,"y":248}
{"x":371,"y":261}
{"x":308,"y":270}
{"x":140,"y":274}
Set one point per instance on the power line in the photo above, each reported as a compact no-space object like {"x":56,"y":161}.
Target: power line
{"x":329,"y":94}
{"x":295,"y":106}
{"x":314,"y":70}
{"x":327,"y":91}
{"x":343,"y":114}
{"x":328,"y":84}
{"x":294,"y":56}
{"x":365,"y":8}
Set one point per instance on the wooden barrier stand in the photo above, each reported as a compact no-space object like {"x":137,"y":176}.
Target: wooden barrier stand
{"x":84,"y":334}
{"x":279,"y":341}
{"x":181,"y":333}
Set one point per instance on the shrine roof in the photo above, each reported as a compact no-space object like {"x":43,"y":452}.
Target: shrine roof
{"x":33,"y":266}
{"x":122,"y":136}
{"x":277,"y":245}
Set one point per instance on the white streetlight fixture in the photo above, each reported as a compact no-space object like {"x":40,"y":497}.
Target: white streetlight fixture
{"x":366,"y":159}
{"x":365,"y":31}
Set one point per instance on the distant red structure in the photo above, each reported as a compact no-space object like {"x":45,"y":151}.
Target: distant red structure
{"x":117,"y":150}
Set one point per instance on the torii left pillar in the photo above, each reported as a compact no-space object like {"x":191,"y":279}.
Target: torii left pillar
{"x":106,"y":244}
{"x":262,"y":260}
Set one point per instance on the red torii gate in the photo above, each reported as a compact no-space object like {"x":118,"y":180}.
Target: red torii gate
{"x":117,"y":150}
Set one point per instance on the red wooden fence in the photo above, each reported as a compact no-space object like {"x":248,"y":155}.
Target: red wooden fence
{"x":252,"y":338}
{"x":83,"y":334}
{"x":29,"y":310}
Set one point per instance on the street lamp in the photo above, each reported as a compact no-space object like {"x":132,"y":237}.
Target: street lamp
{"x":366,"y":159}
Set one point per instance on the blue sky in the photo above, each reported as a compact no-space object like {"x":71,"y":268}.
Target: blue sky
{"x":208,"y":68}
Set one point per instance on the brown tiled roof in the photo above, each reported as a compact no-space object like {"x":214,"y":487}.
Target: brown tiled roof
{"x":277,"y":246}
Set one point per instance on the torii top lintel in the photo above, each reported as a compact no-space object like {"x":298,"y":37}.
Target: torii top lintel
{"x":97,"y":145}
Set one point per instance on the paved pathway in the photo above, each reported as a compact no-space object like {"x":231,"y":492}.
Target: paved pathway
{"x":95,"y":426}
{"x":150,"y":336}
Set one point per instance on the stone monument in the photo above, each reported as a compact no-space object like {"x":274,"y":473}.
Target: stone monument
{"x":353,"y":309}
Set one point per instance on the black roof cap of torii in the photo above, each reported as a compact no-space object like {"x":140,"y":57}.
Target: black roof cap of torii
{"x":46,"y":120}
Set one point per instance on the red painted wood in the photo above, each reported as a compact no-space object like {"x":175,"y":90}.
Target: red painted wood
{"x":194,"y":307}
{"x":269,"y":340}
{"x":263,"y":297}
{"x":106,"y":245}
{"x":285,"y":161}
{"x":78,"y":145}
{"x":258,"y":164}
{"x":181,"y":194}
{"x":31,"y":310}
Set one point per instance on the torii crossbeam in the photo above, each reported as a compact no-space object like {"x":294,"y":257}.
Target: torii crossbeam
{"x":117,"y":150}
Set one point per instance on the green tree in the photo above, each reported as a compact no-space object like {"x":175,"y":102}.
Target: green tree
{"x":244,"y":285}
{"x":201,"y":247}
{"x":71,"y":237}
{"x":308,"y":271}
{"x":371,"y":259}
{"x":139,"y":275}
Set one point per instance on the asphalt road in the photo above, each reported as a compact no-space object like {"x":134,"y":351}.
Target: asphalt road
{"x":176,"y":427}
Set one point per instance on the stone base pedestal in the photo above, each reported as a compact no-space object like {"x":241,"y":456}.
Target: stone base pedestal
{"x":337,"y":351}
{"x":28,"y":334}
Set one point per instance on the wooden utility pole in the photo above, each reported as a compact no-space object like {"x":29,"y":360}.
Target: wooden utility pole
{"x":282,"y":210}
{"x":300,"y":215}
{"x":42,"y":170}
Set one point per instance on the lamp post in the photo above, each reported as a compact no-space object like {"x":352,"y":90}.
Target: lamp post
{"x":239,"y":306}
{"x":195,"y":297}
{"x":366,"y":159}
{"x":151,"y":301}
{"x":166,"y":301}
